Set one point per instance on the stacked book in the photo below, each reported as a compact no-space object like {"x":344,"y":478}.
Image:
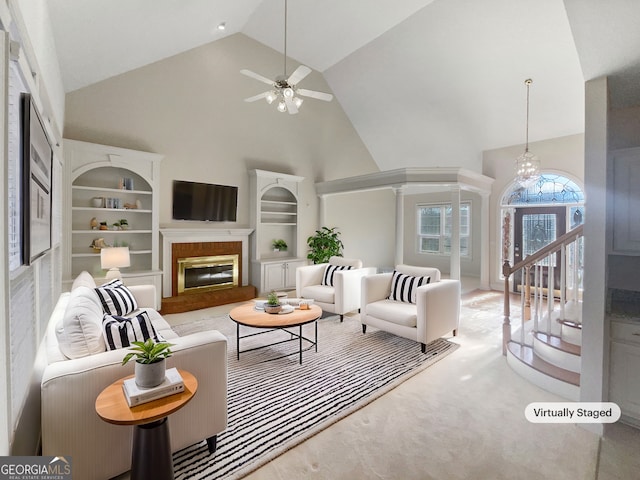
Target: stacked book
{"x":136,"y":395}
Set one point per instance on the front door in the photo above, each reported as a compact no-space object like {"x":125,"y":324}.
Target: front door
{"x":535,"y":228}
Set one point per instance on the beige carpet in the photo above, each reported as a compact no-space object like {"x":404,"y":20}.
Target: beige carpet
{"x":463,"y":418}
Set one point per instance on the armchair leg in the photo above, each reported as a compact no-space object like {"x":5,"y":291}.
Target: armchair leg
{"x":212,"y":444}
{"x":423,"y":347}
{"x":364,"y":328}
{"x":455,"y":332}
{"x":341,"y":318}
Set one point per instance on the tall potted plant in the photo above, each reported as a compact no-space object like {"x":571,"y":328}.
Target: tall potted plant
{"x":151,"y":362}
{"x":324,"y":244}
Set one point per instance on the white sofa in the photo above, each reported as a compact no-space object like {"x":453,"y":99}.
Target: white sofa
{"x":69,"y":387}
{"x":435,"y":313}
{"x":343,"y":296}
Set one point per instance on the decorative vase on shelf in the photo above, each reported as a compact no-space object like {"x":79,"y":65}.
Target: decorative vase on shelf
{"x":96,"y":202}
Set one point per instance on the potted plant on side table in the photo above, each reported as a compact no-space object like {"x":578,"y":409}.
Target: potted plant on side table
{"x":150,"y":363}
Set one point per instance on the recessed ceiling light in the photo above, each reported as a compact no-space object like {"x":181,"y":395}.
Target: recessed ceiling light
{"x":222,"y":26}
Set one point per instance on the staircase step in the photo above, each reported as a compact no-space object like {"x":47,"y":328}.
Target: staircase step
{"x":558,"y":343}
{"x":556,"y":351}
{"x":557,"y":380}
{"x":571,"y":332}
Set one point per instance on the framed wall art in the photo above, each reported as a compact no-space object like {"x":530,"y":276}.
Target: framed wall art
{"x":37,"y":157}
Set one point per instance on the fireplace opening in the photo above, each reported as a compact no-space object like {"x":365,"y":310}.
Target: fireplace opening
{"x":201,"y":274}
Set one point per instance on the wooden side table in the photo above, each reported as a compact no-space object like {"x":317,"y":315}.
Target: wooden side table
{"x":151,"y":456}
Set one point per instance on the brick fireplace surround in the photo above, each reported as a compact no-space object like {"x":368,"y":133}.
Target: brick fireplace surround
{"x":182,"y":243}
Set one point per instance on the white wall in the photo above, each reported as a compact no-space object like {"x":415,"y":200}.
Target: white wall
{"x":190,"y":108}
{"x":31,"y":290}
{"x":561,"y":155}
{"x":594,"y":376}
{"x":366,"y":221}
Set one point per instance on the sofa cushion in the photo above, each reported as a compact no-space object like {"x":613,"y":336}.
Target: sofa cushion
{"x":320,"y":293}
{"x":400,"y":313}
{"x":120,"y":332}
{"x":79,"y":333}
{"x":116,"y":299}
{"x":403,"y":287}
{"x":84,"y":279}
{"x":329,"y":273}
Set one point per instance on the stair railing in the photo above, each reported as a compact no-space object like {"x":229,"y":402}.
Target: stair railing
{"x":532,"y":297}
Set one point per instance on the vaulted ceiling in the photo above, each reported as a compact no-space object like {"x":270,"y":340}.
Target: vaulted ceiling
{"x":424,"y":82}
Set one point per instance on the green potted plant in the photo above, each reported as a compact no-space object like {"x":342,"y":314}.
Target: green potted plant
{"x":150,"y":363}
{"x":124,"y":224}
{"x":273,"y":303}
{"x":324,"y":244}
{"x":279,"y":245}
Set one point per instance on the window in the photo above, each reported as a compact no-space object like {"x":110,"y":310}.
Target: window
{"x":434,"y":229}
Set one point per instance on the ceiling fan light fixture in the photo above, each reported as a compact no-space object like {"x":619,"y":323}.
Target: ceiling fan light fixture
{"x":271,"y":97}
{"x":284,"y":87}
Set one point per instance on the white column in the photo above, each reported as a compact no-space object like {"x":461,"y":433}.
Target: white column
{"x":455,"y":233}
{"x":322,"y":211}
{"x":399,"y":257}
{"x":485,"y":259}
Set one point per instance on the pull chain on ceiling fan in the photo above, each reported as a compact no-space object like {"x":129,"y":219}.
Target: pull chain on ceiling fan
{"x":284,"y":90}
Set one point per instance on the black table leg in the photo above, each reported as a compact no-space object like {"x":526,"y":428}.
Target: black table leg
{"x":151,"y":455}
{"x":300,"y":337}
{"x":238,"y":340}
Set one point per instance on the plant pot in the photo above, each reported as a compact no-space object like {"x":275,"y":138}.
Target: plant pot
{"x":149,"y":375}
{"x":272,"y":308}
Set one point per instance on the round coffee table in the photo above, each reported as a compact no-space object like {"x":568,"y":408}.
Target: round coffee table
{"x":249,"y":316}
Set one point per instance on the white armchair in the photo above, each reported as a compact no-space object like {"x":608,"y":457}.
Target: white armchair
{"x":343,"y":295}
{"x":436,"y":310}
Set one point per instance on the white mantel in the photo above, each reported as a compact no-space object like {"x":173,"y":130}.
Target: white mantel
{"x":190,"y":235}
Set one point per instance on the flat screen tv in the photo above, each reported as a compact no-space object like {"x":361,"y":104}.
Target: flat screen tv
{"x":204,"y":201}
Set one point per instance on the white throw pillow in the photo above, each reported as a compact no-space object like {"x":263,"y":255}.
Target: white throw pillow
{"x":80,"y":334}
{"x":403,"y":287}
{"x":84,"y":279}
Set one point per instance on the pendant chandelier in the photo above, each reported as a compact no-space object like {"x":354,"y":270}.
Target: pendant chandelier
{"x":527,"y":164}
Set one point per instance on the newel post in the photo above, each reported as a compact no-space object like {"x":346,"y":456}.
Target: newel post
{"x":506,"y":272}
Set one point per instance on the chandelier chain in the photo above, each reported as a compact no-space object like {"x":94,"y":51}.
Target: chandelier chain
{"x":528,"y":83}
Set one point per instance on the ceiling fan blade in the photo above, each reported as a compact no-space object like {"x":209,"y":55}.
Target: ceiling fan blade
{"x":327,"y":97}
{"x":291,"y":106}
{"x":256,"y":97}
{"x":256,"y":76}
{"x":298,"y":74}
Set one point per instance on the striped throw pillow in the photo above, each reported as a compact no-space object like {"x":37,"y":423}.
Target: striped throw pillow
{"x":403,"y":287}
{"x":120,"y":332}
{"x":116,"y":299}
{"x":329,"y":272}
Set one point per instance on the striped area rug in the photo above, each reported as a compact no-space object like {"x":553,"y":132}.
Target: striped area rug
{"x":274,"y":404}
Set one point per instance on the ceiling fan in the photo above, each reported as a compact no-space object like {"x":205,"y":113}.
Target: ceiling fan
{"x":285,"y":89}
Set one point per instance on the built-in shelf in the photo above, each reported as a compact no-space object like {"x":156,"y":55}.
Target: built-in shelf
{"x":116,"y":232}
{"x":111,"y":190}
{"x":95,"y":176}
{"x":106,"y":210}
{"x":274,"y":214}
